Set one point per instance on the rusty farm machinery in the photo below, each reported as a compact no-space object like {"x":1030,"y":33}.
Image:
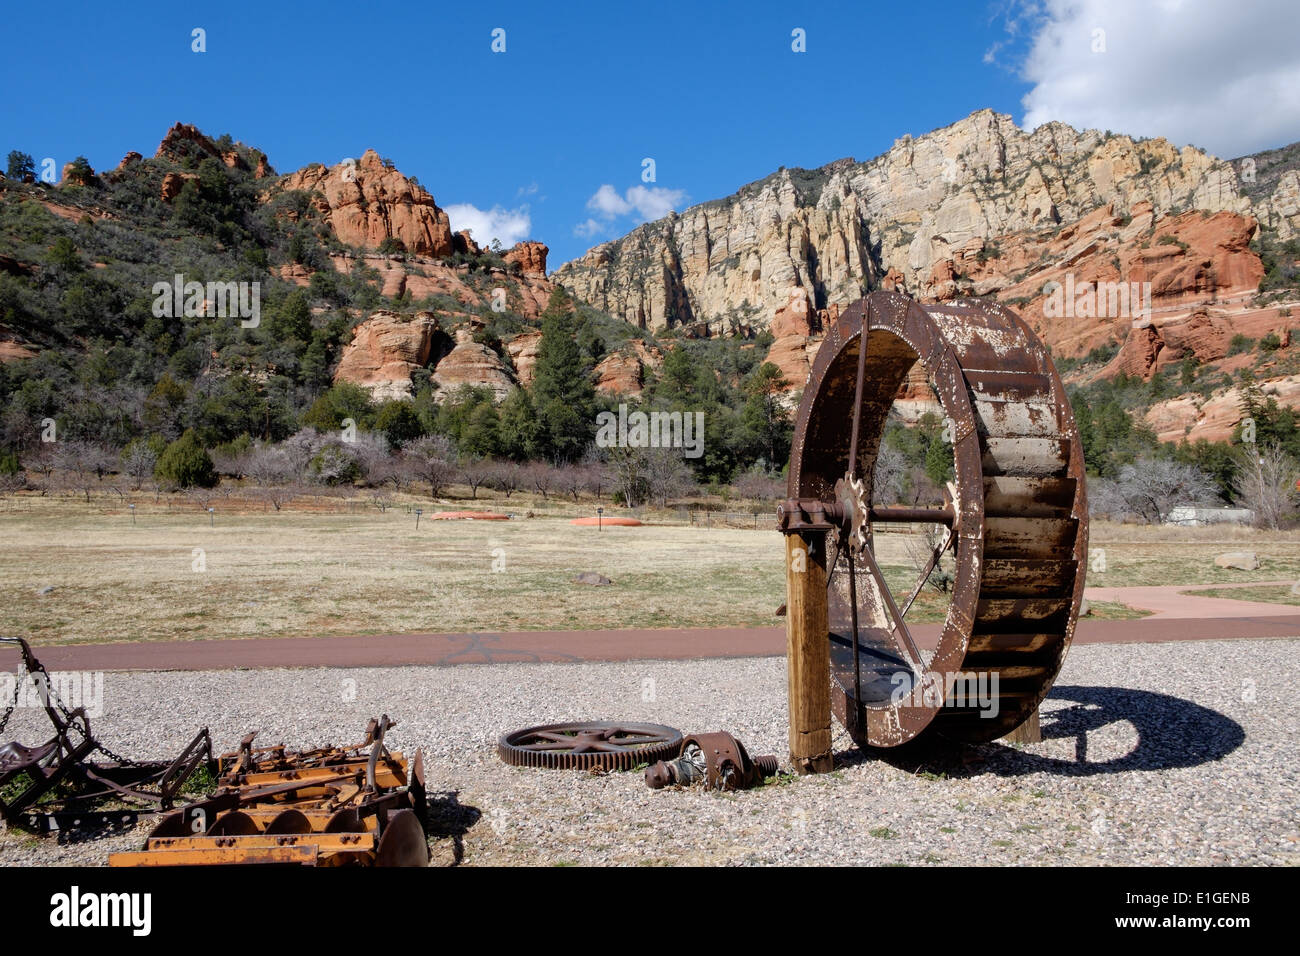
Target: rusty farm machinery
{"x":358,"y":805}
{"x":361,"y":804}
{"x":66,"y":781}
{"x":1014,"y":522}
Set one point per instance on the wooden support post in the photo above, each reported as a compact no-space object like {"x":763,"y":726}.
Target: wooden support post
{"x":808,"y":652}
{"x":1026,"y":733}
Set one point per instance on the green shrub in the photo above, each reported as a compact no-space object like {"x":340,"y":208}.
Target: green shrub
{"x":1239,"y":343}
{"x":186,"y":464}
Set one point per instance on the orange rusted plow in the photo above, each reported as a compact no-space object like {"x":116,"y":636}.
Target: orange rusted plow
{"x":335,"y":806}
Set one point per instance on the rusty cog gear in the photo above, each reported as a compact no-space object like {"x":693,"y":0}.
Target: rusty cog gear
{"x":851,"y":492}
{"x":589,"y":746}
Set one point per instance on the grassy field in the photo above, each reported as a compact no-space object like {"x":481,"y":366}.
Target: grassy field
{"x":1275,"y":594}
{"x":72,"y":573}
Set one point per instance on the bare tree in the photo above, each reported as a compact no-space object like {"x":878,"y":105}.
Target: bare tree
{"x":1105,"y":500}
{"x":475,"y":470}
{"x":887,"y":482}
{"x":571,"y":480}
{"x":1266,"y":483}
{"x":334,"y":463}
{"x":234,"y":464}
{"x":375,"y":458}
{"x":299,"y":449}
{"x":596,"y":470}
{"x":920,"y":552}
{"x":506,"y":476}
{"x":203,"y":497}
{"x":432,"y":459}
{"x":84,"y":464}
{"x":12,"y":483}
{"x":138,"y":461}
{"x":269,"y":465}
{"x":628,"y":467}
{"x":667,"y":475}
{"x":540,"y":476}
{"x":42,"y":461}
{"x":1153,"y":487}
{"x":271,"y":470}
{"x":758,"y":486}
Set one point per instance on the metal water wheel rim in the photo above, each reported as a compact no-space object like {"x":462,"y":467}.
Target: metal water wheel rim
{"x":897,"y":327}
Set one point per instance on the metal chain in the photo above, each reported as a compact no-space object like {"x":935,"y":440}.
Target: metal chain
{"x":54,"y":698}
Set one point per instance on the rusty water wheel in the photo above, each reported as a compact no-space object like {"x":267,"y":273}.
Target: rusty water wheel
{"x":588,"y":746}
{"x":1015,"y":518}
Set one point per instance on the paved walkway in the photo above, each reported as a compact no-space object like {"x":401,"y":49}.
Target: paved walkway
{"x":1167,"y":602}
{"x":389,"y":650}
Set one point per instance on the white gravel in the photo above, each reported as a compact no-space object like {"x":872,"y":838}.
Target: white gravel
{"x":1154,"y":754}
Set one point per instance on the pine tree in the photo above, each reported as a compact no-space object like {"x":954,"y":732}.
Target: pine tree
{"x":520,"y":430}
{"x":562,"y":390}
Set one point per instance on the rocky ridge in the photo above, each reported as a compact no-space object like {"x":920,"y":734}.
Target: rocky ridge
{"x":837,"y":231}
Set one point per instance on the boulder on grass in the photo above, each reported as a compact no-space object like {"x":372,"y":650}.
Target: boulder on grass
{"x":1240,"y":560}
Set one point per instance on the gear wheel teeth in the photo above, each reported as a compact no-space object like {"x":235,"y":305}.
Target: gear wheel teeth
{"x":590,"y":746}
{"x":852,"y":493}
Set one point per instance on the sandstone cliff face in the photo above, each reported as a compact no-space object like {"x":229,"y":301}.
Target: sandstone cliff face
{"x":522,"y":350}
{"x":622,"y":372}
{"x":1216,"y":418}
{"x":367,"y":202}
{"x":470,"y":363}
{"x":385,"y":350}
{"x":184,"y":141}
{"x":836,"y":231}
{"x":531,"y":257}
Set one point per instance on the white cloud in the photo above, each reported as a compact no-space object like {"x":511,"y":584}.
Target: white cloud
{"x":608,"y":202}
{"x":1225,"y":77}
{"x":641,"y":202}
{"x":507,"y":225}
{"x":655,"y":202}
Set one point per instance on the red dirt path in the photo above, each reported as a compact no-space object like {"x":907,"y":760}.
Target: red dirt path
{"x":536,"y":646}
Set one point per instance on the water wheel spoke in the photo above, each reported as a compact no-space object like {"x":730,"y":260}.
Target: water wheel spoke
{"x":902,"y":637}
{"x":930,"y":565}
{"x":857,"y":392}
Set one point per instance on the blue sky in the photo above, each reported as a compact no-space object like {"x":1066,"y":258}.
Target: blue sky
{"x":547,"y":139}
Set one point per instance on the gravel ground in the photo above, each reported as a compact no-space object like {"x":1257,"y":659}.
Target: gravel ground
{"x":1153,"y":754}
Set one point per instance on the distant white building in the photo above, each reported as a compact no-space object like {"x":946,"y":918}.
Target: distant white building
{"x":1192,"y":517}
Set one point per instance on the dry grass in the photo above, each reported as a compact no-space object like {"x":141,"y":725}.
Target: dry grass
{"x":1133,"y":555}
{"x":1277,"y":594}
{"x":299,"y":573}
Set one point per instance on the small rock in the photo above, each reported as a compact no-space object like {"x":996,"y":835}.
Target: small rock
{"x":1084,"y":607}
{"x":1241,"y":560}
{"x":45,"y":590}
{"x":591,"y":577}
{"x":1295,"y":589}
